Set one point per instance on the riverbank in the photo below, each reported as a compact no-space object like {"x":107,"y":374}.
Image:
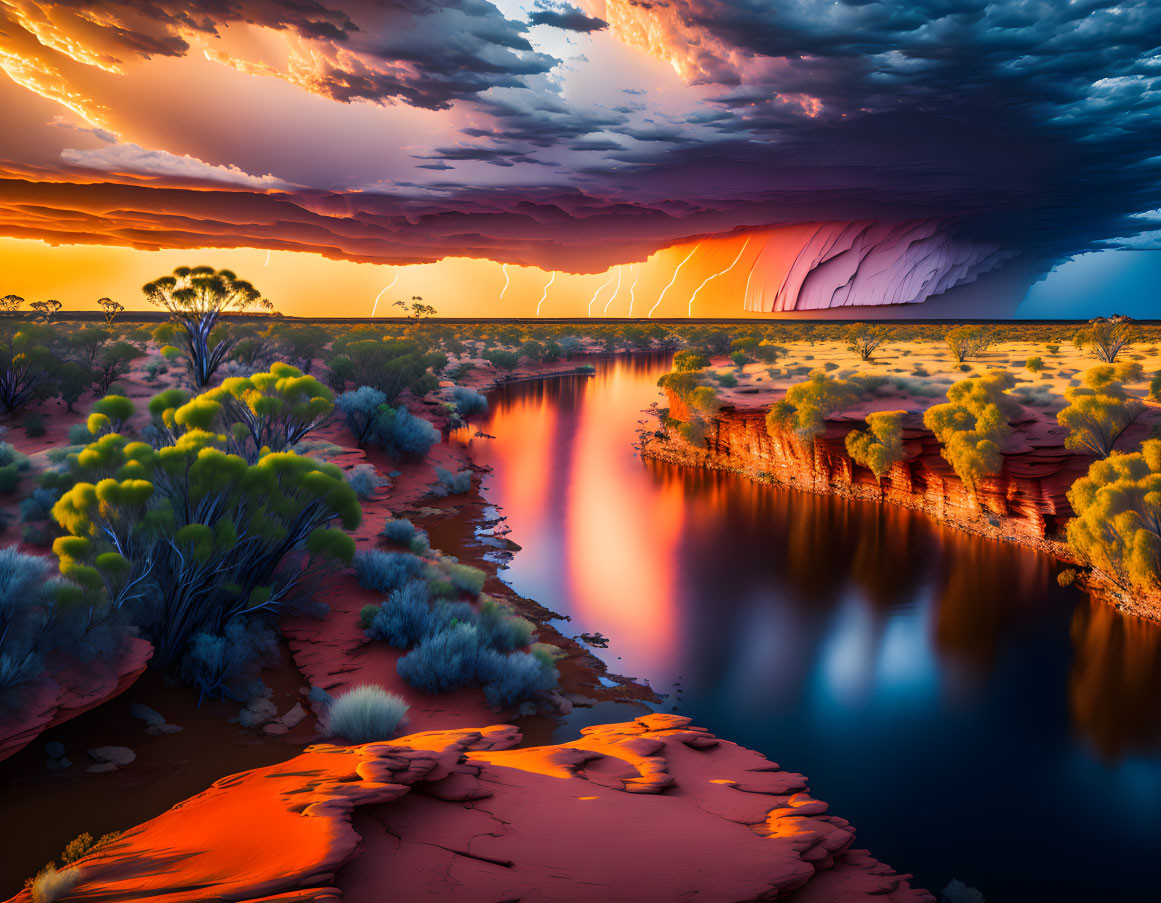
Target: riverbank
{"x":1025,"y":502}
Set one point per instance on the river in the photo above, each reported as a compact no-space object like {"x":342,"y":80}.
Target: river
{"x":971,"y":718}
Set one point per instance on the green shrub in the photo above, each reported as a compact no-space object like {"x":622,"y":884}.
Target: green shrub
{"x":973,"y":426}
{"x":1034,"y":365}
{"x":807,"y":405}
{"x":364,"y":479}
{"x":881,"y":445}
{"x":968,"y":341}
{"x":1117,"y":527}
{"x":689,"y":360}
{"x":1101,"y":410}
{"x":187,"y":538}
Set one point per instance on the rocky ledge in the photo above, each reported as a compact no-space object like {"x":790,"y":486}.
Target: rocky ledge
{"x":652,"y":809}
{"x":67,"y":691}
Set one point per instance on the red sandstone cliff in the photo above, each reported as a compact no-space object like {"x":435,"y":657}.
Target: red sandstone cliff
{"x":1026,"y":501}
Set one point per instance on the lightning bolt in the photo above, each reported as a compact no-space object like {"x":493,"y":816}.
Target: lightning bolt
{"x":598,"y":291}
{"x":632,"y":289}
{"x":605,"y":312}
{"x":267,"y":263}
{"x":375,"y":306}
{"x":506,"y":281}
{"x":545,"y":295}
{"x":689,"y":312}
{"x":673,"y":280}
{"x":746,"y":294}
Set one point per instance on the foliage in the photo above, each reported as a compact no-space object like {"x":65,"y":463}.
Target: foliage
{"x":365,"y":713}
{"x":361,"y":408}
{"x":881,"y":446}
{"x":807,"y":405}
{"x":189,"y":540}
{"x":973,"y":426}
{"x":1107,"y":337}
{"x":403,"y":435}
{"x":364,"y":480}
{"x":1034,"y":364}
{"x":468,"y":401}
{"x":249,"y":414}
{"x":13,"y":465}
{"x":26,"y":367}
{"x":84,"y":844}
{"x":46,"y":310}
{"x":501,"y":359}
{"x":968,"y":341}
{"x":385,"y":571}
{"x":1117,"y":527}
{"x":109,"y":415}
{"x":864,"y":338}
{"x":399,"y":530}
{"x":689,"y":360}
{"x":1099,"y":411}
{"x":10,"y":304}
{"x":386,"y":364}
{"x":110,"y":309}
{"x":452,"y":483}
{"x":52,"y":884}
{"x":195,"y":299}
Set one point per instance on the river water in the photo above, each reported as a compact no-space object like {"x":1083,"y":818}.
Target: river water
{"x":972,"y":718}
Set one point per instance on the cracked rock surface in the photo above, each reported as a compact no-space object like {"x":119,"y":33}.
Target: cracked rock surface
{"x":652,"y":809}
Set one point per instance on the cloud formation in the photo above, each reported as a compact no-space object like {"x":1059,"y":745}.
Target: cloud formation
{"x":576,"y":136}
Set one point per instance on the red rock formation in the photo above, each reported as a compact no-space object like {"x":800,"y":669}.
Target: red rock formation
{"x":68,"y":691}
{"x":1027,"y":501}
{"x":643,"y":811}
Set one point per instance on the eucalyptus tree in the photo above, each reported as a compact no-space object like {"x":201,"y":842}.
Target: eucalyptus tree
{"x":46,"y":310}
{"x":196,"y":298}
{"x":110,"y":309}
{"x":973,"y":425}
{"x":11,"y":304}
{"x":1101,"y":410}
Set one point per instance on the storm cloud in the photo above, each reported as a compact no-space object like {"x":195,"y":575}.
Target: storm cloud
{"x":1027,"y":125}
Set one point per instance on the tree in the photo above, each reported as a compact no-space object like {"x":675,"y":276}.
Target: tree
{"x":879,"y":447}
{"x":807,"y":405}
{"x":196,"y":298}
{"x":111,"y":309}
{"x":113,"y":362}
{"x":863,"y":339}
{"x":1108,"y":337}
{"x":973,"y":426}
{"x":968,"y":341}
{"x":199,"y":548}
{"x":26,"y":367}
{"x":46,"y":310}
{"x":1100,"y":411}
{"x":10,"y":305}
{"x":416,"y":310}
{"x":1117,"y":527}
{"x":250,"y":415}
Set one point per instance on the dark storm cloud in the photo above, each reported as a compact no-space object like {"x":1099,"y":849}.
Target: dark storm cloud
{"x":566,"y":16}
{"x":1040,"y":121}
{"x":423,"y":53}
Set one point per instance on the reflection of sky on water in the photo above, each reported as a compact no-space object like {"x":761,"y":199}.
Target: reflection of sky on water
{"x":968,"y":715}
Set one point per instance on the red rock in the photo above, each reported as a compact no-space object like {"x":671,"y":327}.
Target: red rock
{"x":68,"y":691}
{"x":648,"y":810}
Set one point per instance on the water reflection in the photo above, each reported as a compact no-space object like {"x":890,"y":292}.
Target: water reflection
{"x":915,"y":673}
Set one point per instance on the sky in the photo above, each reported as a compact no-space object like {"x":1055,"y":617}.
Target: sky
{"x":722,"y":157}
